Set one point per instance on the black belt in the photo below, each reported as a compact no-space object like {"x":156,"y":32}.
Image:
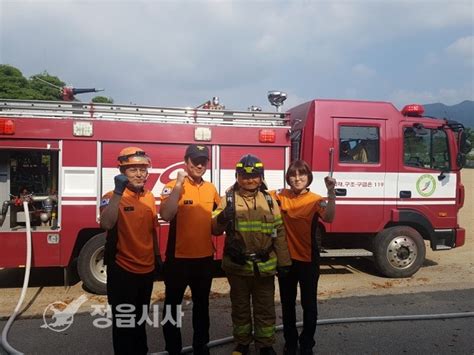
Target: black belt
{"x":261,"y":256}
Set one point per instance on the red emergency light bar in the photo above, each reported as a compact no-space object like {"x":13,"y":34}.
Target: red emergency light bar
{"x":266,"y":136}
{"x":7,"y":126}
{"x":413,"y":110}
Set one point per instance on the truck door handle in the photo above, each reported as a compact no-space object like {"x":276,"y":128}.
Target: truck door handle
{"x":405,"y":194}
{"x":341,"y":192}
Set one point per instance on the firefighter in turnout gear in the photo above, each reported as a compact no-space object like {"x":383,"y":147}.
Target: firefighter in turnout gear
{"x":255,"y":250}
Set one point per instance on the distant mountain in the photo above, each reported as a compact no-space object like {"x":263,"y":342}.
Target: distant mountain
{"x":462,"y":112}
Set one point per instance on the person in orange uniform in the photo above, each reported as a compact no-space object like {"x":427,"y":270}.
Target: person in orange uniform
{"x":128,"y":213}
{"x":187,"y":202}
{"x":299,"y":207}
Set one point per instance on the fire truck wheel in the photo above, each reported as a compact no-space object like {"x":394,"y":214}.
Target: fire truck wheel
{"x":90,"y":265}
{"x":399,"y":251}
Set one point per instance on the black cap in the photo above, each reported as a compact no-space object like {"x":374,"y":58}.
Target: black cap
{"x":196,"y":151}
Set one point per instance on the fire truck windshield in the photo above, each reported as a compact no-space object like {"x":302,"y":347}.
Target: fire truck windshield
{"x":429,"y":150}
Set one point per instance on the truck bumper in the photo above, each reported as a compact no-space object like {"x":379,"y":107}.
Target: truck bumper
{"x":443,"y":239}
{"x":460,"y":237}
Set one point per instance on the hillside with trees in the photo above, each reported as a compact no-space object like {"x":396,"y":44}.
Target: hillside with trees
{"x":13,"y":85}
{"x":462,"y":112}
{"x":43,"y":86}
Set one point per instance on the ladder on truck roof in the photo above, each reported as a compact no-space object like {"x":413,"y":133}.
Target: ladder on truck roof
{"x":93,"y":111}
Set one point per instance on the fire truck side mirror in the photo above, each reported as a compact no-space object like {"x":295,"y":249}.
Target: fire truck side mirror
{"x":464,"y":144}
{"x":461,"y":160}
{"x":442,"y":175}
{"x":464,"y":148}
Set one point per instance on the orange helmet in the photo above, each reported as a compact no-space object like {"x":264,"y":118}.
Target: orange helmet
{"x":133,"y":156}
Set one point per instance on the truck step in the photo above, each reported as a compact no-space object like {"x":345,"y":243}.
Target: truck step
{"x":333,"y":253}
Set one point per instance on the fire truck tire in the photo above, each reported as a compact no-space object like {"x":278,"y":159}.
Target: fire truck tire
{"x":399,"y":251}
{"x":90,"y":265}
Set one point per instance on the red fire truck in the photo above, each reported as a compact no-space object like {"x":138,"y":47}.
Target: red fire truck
{"x":398,"y":173}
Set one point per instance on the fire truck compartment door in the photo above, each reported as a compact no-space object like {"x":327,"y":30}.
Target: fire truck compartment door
{"x":29,"y":171}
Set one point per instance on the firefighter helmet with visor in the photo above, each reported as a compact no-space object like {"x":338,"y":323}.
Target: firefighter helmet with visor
{"x":249,"y":164}
{"x":133,"y":156}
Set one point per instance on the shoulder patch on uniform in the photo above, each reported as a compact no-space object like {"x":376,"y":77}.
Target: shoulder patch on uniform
{"x":104,"y":202}
{"x":166,"y":191}
{"x":323,"y":203}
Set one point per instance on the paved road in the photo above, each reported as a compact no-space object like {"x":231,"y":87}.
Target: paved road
{"x":400,"y":337}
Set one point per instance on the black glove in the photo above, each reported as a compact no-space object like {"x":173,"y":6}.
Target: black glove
{"x":121,"y":182}
{"x":283,"y":271}
{"x":235,"y":250}
{"x":263,"y":255}
{"x":226,"y":215}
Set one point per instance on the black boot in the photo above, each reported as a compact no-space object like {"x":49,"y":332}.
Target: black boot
{"x":290,"y":349}
{"x":268,"y":350}
{"x":241,"y":349}
{"x":202,"y":350}
{"x":306,"y":351}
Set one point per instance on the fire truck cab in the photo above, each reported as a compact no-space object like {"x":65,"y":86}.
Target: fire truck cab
{"x":398,"y":179}
{"x":398,"y":173}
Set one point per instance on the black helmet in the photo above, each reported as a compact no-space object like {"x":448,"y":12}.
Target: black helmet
{"x":249,"y":164}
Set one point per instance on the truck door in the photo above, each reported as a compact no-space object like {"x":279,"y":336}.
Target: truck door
{"x":425,"y":181}
{"x":360,"y":171}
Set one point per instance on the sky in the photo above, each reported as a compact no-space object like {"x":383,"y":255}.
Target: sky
{"x":182,"y":53}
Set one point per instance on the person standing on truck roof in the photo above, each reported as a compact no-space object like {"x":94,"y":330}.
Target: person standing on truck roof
{"x":128,"y":213}
{"x":187,"y":202}
{"x":255,"y":250}
{"x":301,"y":209}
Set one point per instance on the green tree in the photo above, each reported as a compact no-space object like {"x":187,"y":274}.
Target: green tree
{"x":13,"y":84}
{"x":43,"y":86}
{"x":102,"y":100}
{"x":470,"y":134}
{"x":46,"y":87}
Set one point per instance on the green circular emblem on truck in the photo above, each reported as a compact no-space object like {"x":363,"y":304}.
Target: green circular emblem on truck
{"x":426,"y":185}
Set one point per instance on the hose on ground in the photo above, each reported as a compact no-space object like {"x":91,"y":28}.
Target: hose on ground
{"x":227,"y":340}
{"x":8,"y":348}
